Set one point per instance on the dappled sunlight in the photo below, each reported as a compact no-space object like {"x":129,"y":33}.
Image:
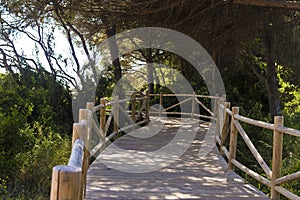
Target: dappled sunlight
{"x":186,"y":177}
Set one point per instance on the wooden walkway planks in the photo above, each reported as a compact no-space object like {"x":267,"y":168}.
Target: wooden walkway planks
{"x":189,"y":177}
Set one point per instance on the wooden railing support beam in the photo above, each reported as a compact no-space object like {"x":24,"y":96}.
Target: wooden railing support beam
{"x":277,"y":156}
{"x":225,"y":130}
{"x":84,"y":115}
{"x":116,"y":115}
{"x":133,"y":107}
{"x":233,"y":138}
{"x":160,"y":103}
{"x":193,"y":105}
{"x":102,"y":120}
{"x":148,"y":107}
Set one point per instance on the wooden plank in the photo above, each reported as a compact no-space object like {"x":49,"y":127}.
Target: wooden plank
{"x":187,"y":177}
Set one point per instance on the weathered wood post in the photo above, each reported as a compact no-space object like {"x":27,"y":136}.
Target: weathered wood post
{"x":224,"y":133}
{"x":233,"y":138}
{"x":148,"y":106}
{"x":160,"y":103}
{"x":133,"y":107}
{"x":90,"y":107}
{"x":277,"y":156}
{"x":141,"y":102}
{"x":193,"y":105}
{"x":66,"y":183}
{"x":66,"y":180}
{"x":102,"y":119}
{"x":75,"y":134}
{"x":218,"y":116}
{"x":84,"y":114}
{"x":116,"y":115}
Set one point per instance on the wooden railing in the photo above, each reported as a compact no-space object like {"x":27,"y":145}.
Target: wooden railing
{"x":194,"y":99}
{"x":230,"y":126}
{"x":68,"y":182}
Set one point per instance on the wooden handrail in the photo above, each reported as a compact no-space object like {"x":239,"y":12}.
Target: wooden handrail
{"x":228,"y":123}
{"x":254,"y":122}
{"x":253,"y":150}
{"x":77,"y":154}
{"x":274,"y":179}
{"x":67,"y":179}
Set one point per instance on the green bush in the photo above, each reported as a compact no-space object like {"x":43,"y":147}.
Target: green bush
{"x":35,"y":128}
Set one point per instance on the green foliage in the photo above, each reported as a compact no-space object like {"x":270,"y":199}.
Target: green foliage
{"x":249,"y":94}
{"x":34,"y":121}
{"x":35,"y":164}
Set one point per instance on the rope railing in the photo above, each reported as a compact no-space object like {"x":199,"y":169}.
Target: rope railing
{"x":231,"y":127}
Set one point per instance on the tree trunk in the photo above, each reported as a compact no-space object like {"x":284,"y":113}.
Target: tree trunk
{"x":150,"y":71}
{"x":114,"y":52}
{"x":271,"y":79}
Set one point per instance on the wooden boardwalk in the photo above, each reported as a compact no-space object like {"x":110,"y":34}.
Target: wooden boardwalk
{"x":188,"y":177}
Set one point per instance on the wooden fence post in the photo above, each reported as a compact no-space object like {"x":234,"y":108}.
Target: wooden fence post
{"x":233,"y":138}
{"x":160,"y":103}
{"x":90,"y":106}
{"x":102,"y":120}
{"x":277,"y":156}
{"x":218,"y":117}
{"x":224,"y":133}
{"x":193,"y":105}
{"x":116,"y":115}
{"x":66,"y":183}
{"x":85,"y":115}
{"x":148,"y":107}
{"x":75,"y":134}
{"x":133,"y":107}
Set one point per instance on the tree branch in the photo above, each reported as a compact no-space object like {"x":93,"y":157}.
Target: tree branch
{"x":292,"y":5}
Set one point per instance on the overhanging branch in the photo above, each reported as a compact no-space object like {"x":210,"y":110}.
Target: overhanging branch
{"x":292,"y":5}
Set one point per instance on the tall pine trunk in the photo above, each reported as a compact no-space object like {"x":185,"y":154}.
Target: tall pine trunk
{"x":150,"y":71}
{"x":271,"y":76}
{"x":114,"y":52}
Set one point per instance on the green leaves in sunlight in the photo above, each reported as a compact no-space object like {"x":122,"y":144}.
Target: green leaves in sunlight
{"x":35,"y":120}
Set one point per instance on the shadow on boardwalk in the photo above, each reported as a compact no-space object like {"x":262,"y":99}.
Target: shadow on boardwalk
{"x":188,"y":177}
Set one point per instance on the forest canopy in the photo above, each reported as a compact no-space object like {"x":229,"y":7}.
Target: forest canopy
{"x":254,"y":43}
